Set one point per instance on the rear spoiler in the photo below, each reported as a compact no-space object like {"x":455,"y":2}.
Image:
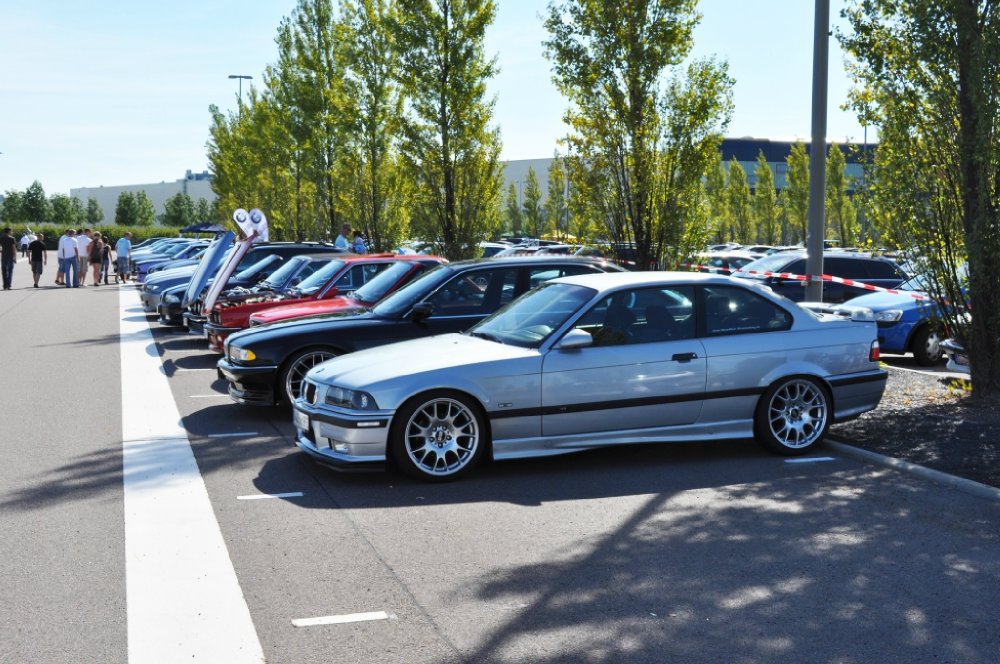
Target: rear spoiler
{"x":863,"y":314}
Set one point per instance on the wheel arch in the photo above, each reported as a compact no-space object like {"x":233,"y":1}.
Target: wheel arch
{"x":425,"y":393}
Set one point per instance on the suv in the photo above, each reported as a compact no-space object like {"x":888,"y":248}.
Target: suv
{"x":871,"y":270}
{"x":266,"y":365}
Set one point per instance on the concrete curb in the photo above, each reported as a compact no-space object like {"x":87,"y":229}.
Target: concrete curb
{"x":967,"y":486}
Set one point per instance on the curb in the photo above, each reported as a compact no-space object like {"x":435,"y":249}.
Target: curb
{"x":966,"y":486}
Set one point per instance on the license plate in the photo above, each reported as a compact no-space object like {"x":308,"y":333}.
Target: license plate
{"x":301,"y":420}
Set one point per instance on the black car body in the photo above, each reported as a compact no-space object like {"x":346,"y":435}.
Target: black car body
{"x":864,"y":268}
{"x":265,"y":364}
{"x":194,"y":319}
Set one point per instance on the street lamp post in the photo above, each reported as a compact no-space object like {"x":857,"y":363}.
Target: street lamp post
{"x":240,"y":78}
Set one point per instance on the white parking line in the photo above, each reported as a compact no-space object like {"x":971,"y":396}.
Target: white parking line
{"x":809,"y":460}
{"x":341,"y":619}
{"x":235,"y":434}
{"x":208,"y":396}
{"x":263,"y":496}
{"x":184,"y":602}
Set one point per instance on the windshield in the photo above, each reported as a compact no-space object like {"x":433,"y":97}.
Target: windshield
{"x":771,"y":263}
{"x":249,"y":273}
{"x":284,"y":273}
{"x":530,"y":319}
{"x":175,"y":248}
{"x":318,"y":279}
{"x":383,"y":282}
{"x":400,"y":302}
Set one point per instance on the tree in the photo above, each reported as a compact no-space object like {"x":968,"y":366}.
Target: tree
{"x":64,"y":211}
{"x":715,"y":196}
{"x":12,"y":210}
{"x":204,"y":211}
{"x":928,"y":75}
{"x":126,"y":211}
{"x":448,"y":142}
{"x":765,"y":205}
{"x":179,"y":211}
{"x":556,"y":209}
{"x":738,"y":202}
{"x":512,"y":211}
{"x":36,"y":208}
{"x":531,"y":206}
{"x":797,"y":194}
{"x":95,"y":213}
{"x":374,"y":105}
{"x":634,"y":144}
{"x":840,"y":215}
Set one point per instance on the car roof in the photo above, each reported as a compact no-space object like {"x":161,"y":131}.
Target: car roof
{"x":614,"y":280}
{"x":532,"y":260}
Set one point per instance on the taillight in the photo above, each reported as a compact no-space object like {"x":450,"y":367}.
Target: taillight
{"x":874,"y":355}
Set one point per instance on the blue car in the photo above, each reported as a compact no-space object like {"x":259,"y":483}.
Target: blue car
{"x":907,"y":324}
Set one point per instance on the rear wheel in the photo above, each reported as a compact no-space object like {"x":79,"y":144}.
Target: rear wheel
{"x":295,"y":370}
{"x":926,"y":346}
{"x":793,"y":416}
{"x":438,"y":437}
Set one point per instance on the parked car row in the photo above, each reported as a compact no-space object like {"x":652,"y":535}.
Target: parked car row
{"x":435,"y":366}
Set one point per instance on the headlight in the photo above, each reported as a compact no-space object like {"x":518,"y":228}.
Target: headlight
{"x":170,"y":299}
{"x":350,"y":399}
{"x":238,"y":354}
{"x":152,"y":288}
{"x":889,"y":316}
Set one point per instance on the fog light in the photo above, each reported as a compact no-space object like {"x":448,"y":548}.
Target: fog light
{"x":340,"y":448}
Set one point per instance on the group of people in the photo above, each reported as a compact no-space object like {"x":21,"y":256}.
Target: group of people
{"x":344,"y":240}
{"x":78,"y":253}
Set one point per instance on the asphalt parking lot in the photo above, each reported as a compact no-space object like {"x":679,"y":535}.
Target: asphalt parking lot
{"x":693,"y":553}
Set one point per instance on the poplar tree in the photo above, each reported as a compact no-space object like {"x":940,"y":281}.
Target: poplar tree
{"x":95,"y":213}
{"x":841,"y":217}
{"x":449,"y":143}
{"x":797,"y":194}
{"x":556,"y":209}
{"x":531,"y":206}
{"x":738,"y":202}
{"x":512,"y":211}
{"x":765,"y":203}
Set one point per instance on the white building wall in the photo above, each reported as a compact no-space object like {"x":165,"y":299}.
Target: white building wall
{"x":197,"y":185}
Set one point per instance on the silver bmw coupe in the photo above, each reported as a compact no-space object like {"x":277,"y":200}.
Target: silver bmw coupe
{"x":591,"y":361}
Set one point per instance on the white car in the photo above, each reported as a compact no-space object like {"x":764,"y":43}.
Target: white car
{"x":596,"y":360}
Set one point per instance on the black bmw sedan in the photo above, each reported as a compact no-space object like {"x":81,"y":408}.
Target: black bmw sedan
{"x":265,"y":365}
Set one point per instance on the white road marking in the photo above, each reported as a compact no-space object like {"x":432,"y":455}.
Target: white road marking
{"x":184,"y":602}
{"x":263,"y":496}
{"x":188,"y":370}
{"x":809,"y":460}
{"x":341,"y":619}
{"x":208,"y":396}
{"x":235,"y":434}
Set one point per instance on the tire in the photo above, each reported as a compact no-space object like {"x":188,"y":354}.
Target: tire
{"x":438,"y":436}
{"x":926,"y":345}
{"x":793,"y":416}
{"x":290,"y":379}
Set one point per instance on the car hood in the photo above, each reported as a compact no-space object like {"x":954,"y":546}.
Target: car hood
{"x":457,"y":352}
{"x":172,"y":273}
{"x":882,"y":301}
{"x":264,"y":334}
{"x":308,"y":308}
{"x":210,"y":262}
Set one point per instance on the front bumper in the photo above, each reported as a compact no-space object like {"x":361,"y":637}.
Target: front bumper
{"x":344,"y":441}
{"x":249,"y":385}
{"x":170,"y":314}
{"x":150,"y":301}
{"x":195,"y":323}
{"x":217,"y":335}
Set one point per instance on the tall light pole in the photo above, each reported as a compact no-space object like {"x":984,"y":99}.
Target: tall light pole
{"x":817,"y":157}
{"x":240,"y":78}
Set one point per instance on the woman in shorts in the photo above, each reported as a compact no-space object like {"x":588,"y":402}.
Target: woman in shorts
{"x":95,"y":258}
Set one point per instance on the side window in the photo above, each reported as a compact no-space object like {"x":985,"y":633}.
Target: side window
{"x":796,"y":267}
{"x":844,"y":267}
{"x":477,"y":292}
{"x":739,"y":311}
{"x":647,"y":315}
{"x":881,"y":270}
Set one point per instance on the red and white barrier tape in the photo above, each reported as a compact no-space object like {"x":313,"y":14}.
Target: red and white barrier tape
{"x":808,"y":277}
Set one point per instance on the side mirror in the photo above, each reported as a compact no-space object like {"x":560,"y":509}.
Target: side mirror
{"x":574,"y":340}
{"x":422,"y":310}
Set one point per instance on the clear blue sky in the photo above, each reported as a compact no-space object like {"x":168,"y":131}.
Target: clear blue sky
{"x":117,"y":92}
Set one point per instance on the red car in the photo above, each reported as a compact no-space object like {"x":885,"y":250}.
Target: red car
{"x":366,"y":297}
{"x":343,"y":274}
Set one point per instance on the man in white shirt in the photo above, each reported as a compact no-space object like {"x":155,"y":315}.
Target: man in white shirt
{"x":68,"y":254}
{"x":344,"y":239}
{"x":83,"y":244}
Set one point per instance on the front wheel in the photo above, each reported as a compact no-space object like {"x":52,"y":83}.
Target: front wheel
{"x":926,"y":346}
{"x":793,"y":416}
{"x":438,"y":437}
{"x":295,"y":370}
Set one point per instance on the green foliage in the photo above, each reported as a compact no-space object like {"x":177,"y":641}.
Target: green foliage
{"x":715,"y":197}
{"x":179,"y":211}
{"x":512,"y":211}
{"x":127,"y":210}
{"x":556,"y":209}
{"x":448,"y":143}
{"x":738,"y":201}
{"x":35,"y":207}
{"x":765,"y":204}
{"x":534,"y":213}
{"x":928,"y":75}
{"x":841,"y":218}
{"x":796,"y":195}
{"x":12,"y":211}
{"x":638,"y":151}
{"x":95,"y":213}
{"x":66,"y":210}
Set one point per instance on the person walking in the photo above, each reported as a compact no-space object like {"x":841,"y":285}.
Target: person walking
{"x":123,"y":251}
{"x":25,"y":241}
{"x":105,"y":258}
{"x":95,"y":253}
{"x":68,"y":254}
{"x":8,"y":256}
{"x":38,"y":256}
{"x":83,"y":244}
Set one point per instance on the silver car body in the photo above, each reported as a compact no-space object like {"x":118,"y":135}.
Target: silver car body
{"x":546,"y":400}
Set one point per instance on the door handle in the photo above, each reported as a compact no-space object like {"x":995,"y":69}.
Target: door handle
{"x":684,"y":357}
